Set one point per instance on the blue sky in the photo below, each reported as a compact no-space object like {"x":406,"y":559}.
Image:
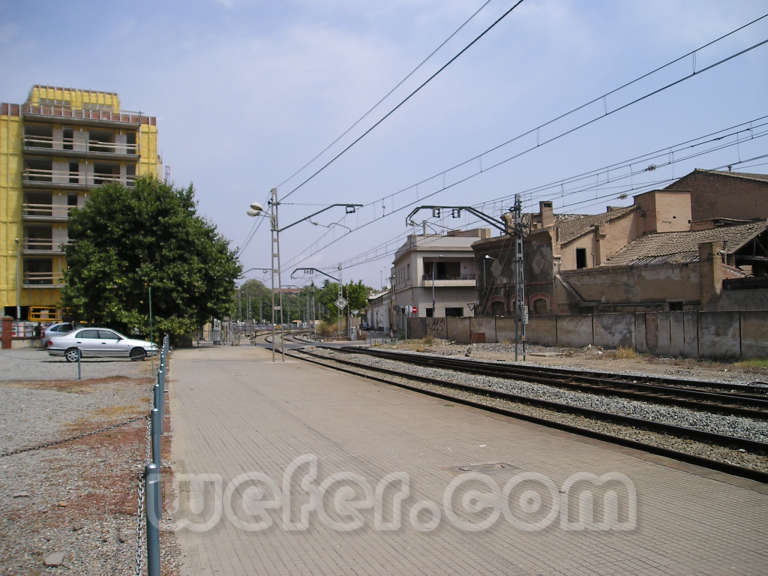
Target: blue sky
{"x":246,"y":92}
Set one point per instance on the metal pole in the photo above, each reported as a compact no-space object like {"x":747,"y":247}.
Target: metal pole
{"x":275,"y":243}
{"x":151,"y":334}
{"x":18,"y":279}
{"x":434,"y":306}
{"x":156,"y":435}
{"x":152,"y":491}
{"x":279,"y":278}
{"x":349,"y":316}
{"x":520,"y":306}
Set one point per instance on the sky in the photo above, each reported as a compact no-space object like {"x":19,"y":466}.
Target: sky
{"x":247,"y":92}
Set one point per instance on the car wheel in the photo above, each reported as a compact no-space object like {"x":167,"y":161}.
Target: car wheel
{"x":138,"y":354}
{"x":72,"y":354}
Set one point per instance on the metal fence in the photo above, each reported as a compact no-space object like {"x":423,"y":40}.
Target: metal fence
{"x":149,"y":509}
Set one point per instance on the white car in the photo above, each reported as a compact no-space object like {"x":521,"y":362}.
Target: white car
{"x":58,"y":329}
{"x":99,"y":343}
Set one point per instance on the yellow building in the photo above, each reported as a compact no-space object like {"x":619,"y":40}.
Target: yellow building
{"x":56,"y":147}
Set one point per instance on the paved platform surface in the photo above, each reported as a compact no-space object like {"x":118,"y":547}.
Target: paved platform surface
{"x":235,"y":412}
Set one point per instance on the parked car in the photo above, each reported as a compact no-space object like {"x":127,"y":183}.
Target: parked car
{"x":99,"y":342}
{"x":58,"y":329}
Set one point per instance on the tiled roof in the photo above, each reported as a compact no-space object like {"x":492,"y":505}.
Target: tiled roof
{"x":572,"y":226}
{"x":683,"y":247}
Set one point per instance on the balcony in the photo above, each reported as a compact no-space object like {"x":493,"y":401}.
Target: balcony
{"x":45,"y":212}
{"x":45,"y":177}
{"x":43,"y":280}
{"x":43,"y":246}
{"x":460,"y":281}
{"x":44,"y":145}
{"x":79,"y":116}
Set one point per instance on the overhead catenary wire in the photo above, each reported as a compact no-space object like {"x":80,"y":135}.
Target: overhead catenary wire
{"x":485,"y":169}
{"x":383,"y":98}
{"x":401,"y":103}
{"x":600,"y":98}
{"x":713,"y":136}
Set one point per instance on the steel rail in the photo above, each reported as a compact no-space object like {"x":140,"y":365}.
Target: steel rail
{"x":699,"y":395}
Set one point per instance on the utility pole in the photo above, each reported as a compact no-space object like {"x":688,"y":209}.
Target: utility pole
{"x":276,"y":272}
{"x":521,"y":310}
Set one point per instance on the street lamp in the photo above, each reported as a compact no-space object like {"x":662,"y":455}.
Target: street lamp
{"x":256,"y":210}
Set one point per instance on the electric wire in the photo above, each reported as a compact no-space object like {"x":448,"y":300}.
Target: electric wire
{"x":401,"y":103}
{"x":466,"y":178}
{"x":602,"y":97}
{"x":387,"y":95}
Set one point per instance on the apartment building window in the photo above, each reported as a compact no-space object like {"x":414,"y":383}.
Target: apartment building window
{"x":72,"y":199}
{"x":581,"y":257}
{"x":74,"y":172}
{"x":68,"y":138}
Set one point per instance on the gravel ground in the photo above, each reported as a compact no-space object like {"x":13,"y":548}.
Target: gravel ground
{"x":36,"y":364}
{"x":71,"y":508}
{"x":679,"y":416}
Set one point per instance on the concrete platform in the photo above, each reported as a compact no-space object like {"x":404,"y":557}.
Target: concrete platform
{"x":234,"y":412}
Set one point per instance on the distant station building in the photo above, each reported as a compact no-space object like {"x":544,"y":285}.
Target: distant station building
{"x":434,"y":275}
{"x":54,"y":149}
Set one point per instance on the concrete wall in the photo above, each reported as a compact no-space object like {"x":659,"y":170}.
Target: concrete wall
{"x":692,"y":334}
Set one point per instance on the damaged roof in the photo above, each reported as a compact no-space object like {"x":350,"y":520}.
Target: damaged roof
{"x":683,"y":247}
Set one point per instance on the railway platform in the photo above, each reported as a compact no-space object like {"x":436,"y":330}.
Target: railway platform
{"x":289,"y":468}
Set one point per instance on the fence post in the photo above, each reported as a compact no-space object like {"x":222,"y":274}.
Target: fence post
{"x":156,"y":437}
{"x":152,"y":491}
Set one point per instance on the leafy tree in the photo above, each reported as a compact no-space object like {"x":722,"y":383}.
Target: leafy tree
{"x":356,"y":294}
{"x":125,"y":239}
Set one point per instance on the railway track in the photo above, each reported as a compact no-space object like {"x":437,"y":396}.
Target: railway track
{"x":504,"y":402}
{"x":713,"y":397}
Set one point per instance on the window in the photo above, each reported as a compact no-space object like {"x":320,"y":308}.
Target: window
{"x":429,"y":313}
{"x":454,"y":312}
{"x":540,"y":306}
{"x":72,"y":199}
{"x":581,"y":257}
{"x":90,"y":334}
{"x":74,"y":173}
{"x":675,"y":306}
{"x":108,"y":335}
{"x":67,"y":138}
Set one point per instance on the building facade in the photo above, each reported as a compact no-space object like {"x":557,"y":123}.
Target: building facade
{"x":698,"y":244}
{"x":435,"y":275}
{"x":54,"y":149}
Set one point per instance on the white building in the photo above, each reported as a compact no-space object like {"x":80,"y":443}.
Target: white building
{"x":434,"y":275}
{"x":379,"y":310}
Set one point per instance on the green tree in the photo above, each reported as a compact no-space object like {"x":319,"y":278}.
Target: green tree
{"x":125,"y":239}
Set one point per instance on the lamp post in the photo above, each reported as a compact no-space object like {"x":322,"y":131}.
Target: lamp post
{"x":256,"y":210}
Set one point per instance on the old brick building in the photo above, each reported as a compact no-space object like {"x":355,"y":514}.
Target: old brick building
{"x":670,"y":249}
